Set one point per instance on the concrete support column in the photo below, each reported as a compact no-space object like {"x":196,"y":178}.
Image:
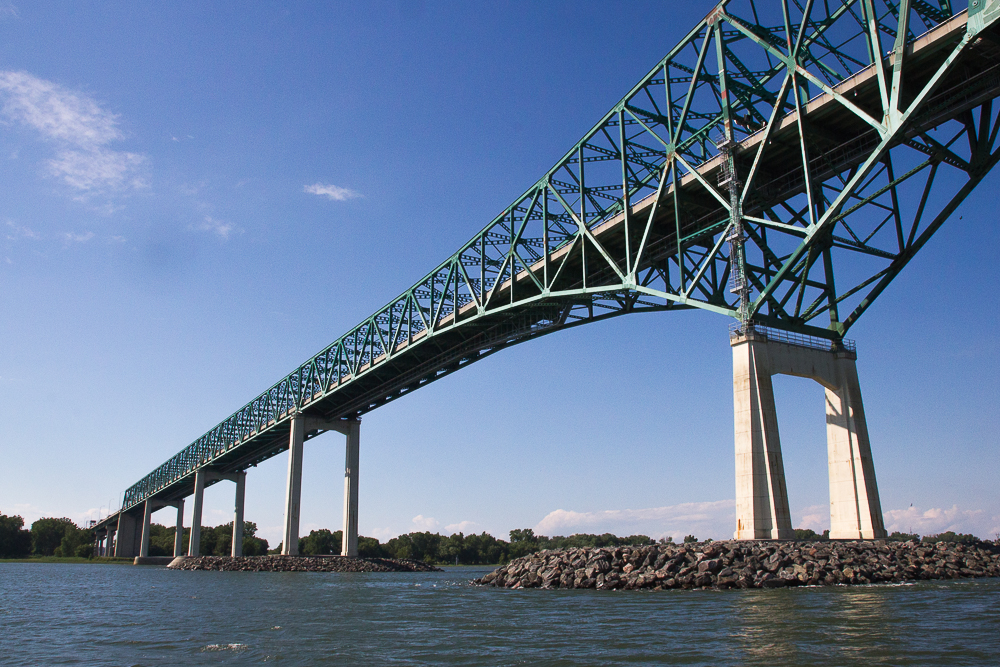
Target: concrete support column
{"x":109,"y":543}
{"x":146,"y":519}
{"x":194,"y":542}
{"x":293,"y":496}
{"x":761,"y":495}
{"x":349,"y":546}
{"x":240,"y":480}
{"x":855,"y":509}
{"x":179,"y":530}
{"x":126,"y":545}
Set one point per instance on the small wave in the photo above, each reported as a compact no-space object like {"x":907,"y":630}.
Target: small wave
{"x":235,"y":648}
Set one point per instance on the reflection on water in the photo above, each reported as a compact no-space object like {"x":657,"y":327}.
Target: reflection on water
{"x":116,"y":615}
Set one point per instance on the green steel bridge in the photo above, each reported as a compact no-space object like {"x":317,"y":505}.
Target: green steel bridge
{"x":779,"y":166}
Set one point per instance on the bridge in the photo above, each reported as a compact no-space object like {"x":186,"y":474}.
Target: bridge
{"x":779,"y":166}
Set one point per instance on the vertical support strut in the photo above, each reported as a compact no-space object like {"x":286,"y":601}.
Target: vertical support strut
{"x":194,"y":542}
{"x":293,"y":496}
{"x":761,"y":495}
{"x":179,"y":530}
{"x":349,"y":546}
{"x":146,"y":525}
{"x":855,"y":509}
{"x":240,"y":479}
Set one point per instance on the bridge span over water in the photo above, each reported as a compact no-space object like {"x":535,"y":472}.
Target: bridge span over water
{"x":779,"y":166}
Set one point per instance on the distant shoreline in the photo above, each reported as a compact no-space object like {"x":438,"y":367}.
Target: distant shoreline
{"x":68,"y":560}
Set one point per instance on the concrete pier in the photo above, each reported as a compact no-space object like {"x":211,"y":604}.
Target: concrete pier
{"x":349,"y":544}
{"x":179,"y":530}
{"x":194,"y":541}
{"x":128,"y":533}
{"x":300,"y":425}
{"x":293,"y":490}
{"x":761,"y":495}
{"x":237,"y":546}
{"x":146,"y":527}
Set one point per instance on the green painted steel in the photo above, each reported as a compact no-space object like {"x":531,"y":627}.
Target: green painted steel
{"x":780,"y":166}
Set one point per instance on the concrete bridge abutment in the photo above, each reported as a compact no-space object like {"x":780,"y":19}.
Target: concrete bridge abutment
{"x":761,"y":494}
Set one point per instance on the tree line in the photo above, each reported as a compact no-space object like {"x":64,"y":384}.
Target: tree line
{"x":47,"y":537}
{"x":458,"y":548}
{"x":215,"y":540}
{"x":62,"y":537}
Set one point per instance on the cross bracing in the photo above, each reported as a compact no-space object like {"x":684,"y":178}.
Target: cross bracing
{"x":780,"y":165}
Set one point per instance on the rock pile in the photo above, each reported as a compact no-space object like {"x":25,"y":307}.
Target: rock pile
{"x":746,"y":565}
{"x":300,"y":564}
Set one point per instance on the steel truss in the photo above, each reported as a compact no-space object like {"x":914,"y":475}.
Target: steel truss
{"x":781,"y":165}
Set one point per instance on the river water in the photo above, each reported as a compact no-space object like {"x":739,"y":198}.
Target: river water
{"x":55,"y":614}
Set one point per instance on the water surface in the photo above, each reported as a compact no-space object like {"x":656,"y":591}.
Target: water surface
{"x":55,"y":614}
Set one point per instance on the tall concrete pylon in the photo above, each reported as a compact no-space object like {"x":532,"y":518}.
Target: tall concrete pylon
{"x":761,"y":495}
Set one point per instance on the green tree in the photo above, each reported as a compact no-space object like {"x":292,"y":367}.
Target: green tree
{"x":809,"y":535}
{"x":161,"y":540}
{"x":951,"y":536}
{"x":522,"y":542}
{"x":253,"y":545}
{"x":369,"y":547}
{"x":689,"y":539}
{"x":321,"y":543}
{"x":76,"y":542}
{"x":897,"y":536}
{"x":47,"y":535}
{"x":15,"y":541}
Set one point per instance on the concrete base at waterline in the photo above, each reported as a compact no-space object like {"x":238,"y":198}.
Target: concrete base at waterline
{"x":153,"y":560}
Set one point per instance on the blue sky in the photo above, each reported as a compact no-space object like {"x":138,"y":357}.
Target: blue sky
{"x":195,"y":197}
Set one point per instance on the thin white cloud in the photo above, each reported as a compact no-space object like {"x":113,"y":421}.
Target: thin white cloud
{"x":332,"y":192}
{"x":8,"y":10}
{"x":222,"y":229}
{"x":32,"y":513}
{"x":939,"y":520}
{"x":382,"y":534}
{"x":80,"y":129}
{"x":704,"y":519}
{"x":814,"y":517}
{"x":425,"y":523}
{"x":460,"y":527}
{"x":97,"y":170}
{"x":18,"y":232}
{"x":72,"y":237}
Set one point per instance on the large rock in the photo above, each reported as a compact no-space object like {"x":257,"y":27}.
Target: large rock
{"x":746,"y":564}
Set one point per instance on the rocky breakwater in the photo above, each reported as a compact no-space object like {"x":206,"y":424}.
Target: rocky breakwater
{"x":746,"y":565}
{"x":299,"y":564}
